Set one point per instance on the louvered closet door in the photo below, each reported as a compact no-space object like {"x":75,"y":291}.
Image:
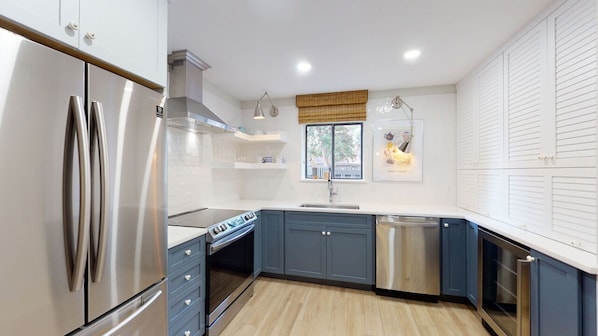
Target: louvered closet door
{"x":490,"y":115}
{"x":526,"y":99}
{"x":467,"y":190}
{"x":572,"y":32}
{"x":491,"y":193}
{"x":466,"y":121}
{"x":528,"y":205}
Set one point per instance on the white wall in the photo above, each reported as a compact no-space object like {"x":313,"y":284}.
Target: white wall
{"x":435,"y":106}
{"x":192,"y":183}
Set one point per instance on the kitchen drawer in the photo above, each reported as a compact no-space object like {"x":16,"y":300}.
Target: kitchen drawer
{"x":192,"y":324}
{"x":183,"y":303}
{"x":182,"y":280}
{"x":181,"y":254}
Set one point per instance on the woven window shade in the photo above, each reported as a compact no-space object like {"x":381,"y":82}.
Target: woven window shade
{"x":332,"y":107}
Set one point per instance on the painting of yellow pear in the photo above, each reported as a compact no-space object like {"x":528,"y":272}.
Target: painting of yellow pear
{"x":397,"y":150}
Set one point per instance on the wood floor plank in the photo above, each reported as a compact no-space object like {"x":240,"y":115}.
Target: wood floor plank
{"x":281,"y":307}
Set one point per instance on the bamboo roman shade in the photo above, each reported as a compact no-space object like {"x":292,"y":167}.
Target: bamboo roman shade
{"x":332,"y":107}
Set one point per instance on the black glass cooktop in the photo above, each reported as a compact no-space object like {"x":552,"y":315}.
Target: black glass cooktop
{"x":203,"y":218}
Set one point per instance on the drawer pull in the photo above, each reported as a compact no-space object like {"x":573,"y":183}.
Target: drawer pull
{"x":188,"y":252}
{"x":188,"y":333}
{"x":188,"y":277}
{"x":187,"y":302}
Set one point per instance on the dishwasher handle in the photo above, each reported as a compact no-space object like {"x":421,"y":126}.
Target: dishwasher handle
{"x":402,"y":221}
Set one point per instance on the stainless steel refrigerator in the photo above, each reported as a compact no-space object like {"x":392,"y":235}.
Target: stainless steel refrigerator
{"x":82,"y":197}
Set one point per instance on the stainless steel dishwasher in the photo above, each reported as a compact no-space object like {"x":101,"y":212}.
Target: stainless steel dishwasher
{"x":408,"y":255}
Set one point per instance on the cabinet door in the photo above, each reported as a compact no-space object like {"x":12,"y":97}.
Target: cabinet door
{"x":454,"y":262}
{"x":129,"y":34}
{"x":257,"y":256}
{"x":471,"y":235}
{"x":466,"y":124}
{"x":349,"y":255}
{"x":49,"y":17}
{"x":489,"y":107}
{"x":555,"y":297}
{"x":305,"y":250}
{"x":272,"y":242}
{"x":589,"y":304}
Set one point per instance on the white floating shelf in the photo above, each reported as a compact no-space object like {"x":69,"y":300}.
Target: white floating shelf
{"x":245,"y":165}
{"x":241,"y":137}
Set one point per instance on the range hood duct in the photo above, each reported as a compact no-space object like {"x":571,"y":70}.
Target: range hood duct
{"x":185,"y":108}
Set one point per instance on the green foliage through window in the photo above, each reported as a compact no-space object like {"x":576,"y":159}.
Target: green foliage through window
{"x":334,"y":148}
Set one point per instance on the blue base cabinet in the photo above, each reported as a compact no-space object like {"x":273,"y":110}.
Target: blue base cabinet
{"x":454,"y":260}
{"x":186,"y":288}
{"x":471,"y":235}
{"x":257,"y":241}
{"x":563,"y":298}
{"x":272,"y":227}
{"x":336,"y":247}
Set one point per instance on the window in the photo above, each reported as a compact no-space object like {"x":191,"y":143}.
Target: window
{"x":334,"y":149}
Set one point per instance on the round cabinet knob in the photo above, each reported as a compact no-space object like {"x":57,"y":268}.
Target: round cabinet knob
{"x":446,"y":225}
{"x":90,"y":35}
{"x":187,"y":302}
{"x":530,"y":258}
{"x":188,"y":277}
{"x":323,"y":233}
{"x":72,"y":26}
{"x":188,"y":252}
{"x":188,"y":333}
{"x":328,"y":233}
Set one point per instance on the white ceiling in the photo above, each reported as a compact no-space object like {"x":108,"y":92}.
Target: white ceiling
{"x":351,"y":44}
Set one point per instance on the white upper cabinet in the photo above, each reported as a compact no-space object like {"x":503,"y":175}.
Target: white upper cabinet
{"x":550,"y":91}
{"x":480,"y":118}
{"x":130,"y":35}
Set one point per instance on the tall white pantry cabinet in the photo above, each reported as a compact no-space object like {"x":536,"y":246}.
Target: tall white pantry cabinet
{"x":527,"y":129}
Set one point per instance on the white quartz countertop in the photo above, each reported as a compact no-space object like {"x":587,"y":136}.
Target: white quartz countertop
{"x":580,"y":259}
{"x":180,"y":234}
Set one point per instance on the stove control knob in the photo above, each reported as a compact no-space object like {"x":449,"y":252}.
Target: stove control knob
{"x":216,"y":230}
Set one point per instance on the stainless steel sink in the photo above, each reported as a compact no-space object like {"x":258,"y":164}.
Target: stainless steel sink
{"x":330,"y":206}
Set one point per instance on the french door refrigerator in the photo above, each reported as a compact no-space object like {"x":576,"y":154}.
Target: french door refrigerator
{"x":82,"y":198}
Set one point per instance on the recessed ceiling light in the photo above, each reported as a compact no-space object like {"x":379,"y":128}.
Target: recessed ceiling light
{"x":303,"y":67}
{"x":412,"y":54}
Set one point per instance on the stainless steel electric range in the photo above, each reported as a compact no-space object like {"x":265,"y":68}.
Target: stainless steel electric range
{"x":229,"y":264}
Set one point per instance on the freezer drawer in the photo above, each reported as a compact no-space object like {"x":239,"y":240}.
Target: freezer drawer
{"x":408,"y":254}
{"x":144,"y":315}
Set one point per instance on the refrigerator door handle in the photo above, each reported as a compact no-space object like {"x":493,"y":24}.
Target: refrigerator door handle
{"x":98,"y":130}
{"x":76,"y":129}
{"x":131,"y":317}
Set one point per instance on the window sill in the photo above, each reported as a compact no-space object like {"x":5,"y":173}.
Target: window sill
{"x":333,"y":180}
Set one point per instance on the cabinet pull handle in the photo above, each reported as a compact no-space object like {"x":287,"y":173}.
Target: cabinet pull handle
{"x":188,"y":333}
{"x":446,"y":225}
{"x":188,"y":277}
{"x":323,"y":233}
{"x":73,"y":26}
{"x":187,"y":302}
{"x":90,"y":35}
{"x":328,"y":233}
{"x":530,"y":258}
{"x":188,"y":252}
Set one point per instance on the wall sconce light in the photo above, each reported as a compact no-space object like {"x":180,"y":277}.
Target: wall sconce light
{"x":398,"y":103}
{"x":258,"y":113}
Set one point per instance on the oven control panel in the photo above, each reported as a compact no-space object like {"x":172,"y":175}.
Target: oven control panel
{"x":225,"y":227}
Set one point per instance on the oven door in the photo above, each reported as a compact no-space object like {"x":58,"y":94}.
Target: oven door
{"x":504,"y":285}
{"x":230,"y":270}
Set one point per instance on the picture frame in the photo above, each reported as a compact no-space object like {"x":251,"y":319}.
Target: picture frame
{"x":397,"y":150}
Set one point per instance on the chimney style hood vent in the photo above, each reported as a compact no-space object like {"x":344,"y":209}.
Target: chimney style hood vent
{"x":185,"y":108}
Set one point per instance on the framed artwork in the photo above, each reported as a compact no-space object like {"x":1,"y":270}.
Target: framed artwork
{"x":398,"y":150}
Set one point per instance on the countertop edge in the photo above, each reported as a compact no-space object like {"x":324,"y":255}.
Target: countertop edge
{"x":180,"y":234}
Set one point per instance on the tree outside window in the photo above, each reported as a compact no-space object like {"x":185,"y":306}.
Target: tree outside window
{"x":334,"y":149}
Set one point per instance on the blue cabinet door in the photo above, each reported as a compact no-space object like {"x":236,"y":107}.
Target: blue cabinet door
{"x":589,"y":304}
{"x":257,"y":242}
{"x":349,"y":254}
{"x":471,"y":235}
{"x":272,"y":223}
{"x":454,"y":262}
{"x":555,"y":297}
{"x":305,"y":252}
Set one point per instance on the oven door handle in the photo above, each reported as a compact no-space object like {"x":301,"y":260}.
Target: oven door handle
{"x":231,"y":239}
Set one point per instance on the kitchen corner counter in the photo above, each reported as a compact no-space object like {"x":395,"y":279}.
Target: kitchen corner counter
{"x":180,"y":234}
{"x":580,"y":259}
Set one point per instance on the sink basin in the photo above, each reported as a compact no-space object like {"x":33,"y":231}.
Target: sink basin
{"x":330,"y":206}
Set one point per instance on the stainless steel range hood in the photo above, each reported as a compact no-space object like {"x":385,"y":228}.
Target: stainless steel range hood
{"x":185,"y":108}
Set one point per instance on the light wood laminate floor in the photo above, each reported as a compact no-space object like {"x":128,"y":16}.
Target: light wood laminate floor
{"x":282,"y":307}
